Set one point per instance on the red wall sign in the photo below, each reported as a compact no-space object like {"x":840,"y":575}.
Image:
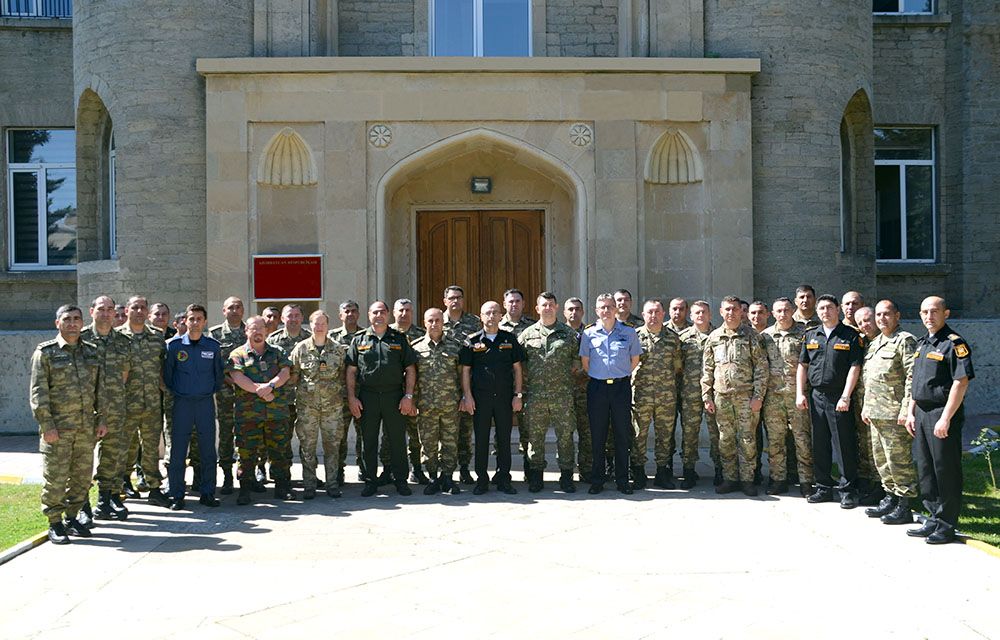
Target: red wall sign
{"x":289,"y":277}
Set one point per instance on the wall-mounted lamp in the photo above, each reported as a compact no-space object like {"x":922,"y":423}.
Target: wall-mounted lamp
{"x":482,"y":185}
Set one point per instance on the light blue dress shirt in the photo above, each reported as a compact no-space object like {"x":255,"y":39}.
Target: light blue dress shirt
{"x":610,"y":352}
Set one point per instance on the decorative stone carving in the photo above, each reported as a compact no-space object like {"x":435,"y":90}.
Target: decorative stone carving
{"x":287,"y":161}
{"x":380,"y":136}
{"x":674,"y":159}
{"x":581,"y":134}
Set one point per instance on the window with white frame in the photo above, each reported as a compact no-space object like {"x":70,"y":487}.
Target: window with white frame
{"x":905,"y":194}
{"x":41,"y":198}
{"x":480,"y":27}
{"x":920,"y":7}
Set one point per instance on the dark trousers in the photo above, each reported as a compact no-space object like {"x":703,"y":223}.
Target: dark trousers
{"x":493,"y":410}
{"x":196,"y":414}
{"x":939,"y":465}
{"x":610,"y":403}
{"x":834,"y":438}
{"x":381,"y":409}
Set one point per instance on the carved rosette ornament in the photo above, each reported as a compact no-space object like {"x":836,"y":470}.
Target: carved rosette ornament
{"x":581,"y":134}
{"x":380,"y":136}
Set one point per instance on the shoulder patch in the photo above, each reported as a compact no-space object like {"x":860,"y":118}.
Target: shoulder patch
{"x":961,"y":350}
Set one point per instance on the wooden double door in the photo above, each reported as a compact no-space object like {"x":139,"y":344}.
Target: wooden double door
{"x":484,"y":252}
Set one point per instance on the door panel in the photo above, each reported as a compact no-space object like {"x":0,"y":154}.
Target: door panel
{"x":484,"y":252}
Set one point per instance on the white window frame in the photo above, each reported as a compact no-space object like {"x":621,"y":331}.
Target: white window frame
{"x":39,"y":169}
{"x":477,"y":25}
{"x":903,"y":164}
{"x":901,"y":12}
{"x":112,"y":211}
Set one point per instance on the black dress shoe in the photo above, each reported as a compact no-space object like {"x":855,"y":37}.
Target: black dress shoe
{"x":941,"y":536}
{"x":900,"y":515}
{"x":208,"y":501}
{"x":370,"y":489}
{"x":403,"y":489}
{"x":624,"y":487}
{"x":177,"y":504}
{"x":596,"y":488}
{"x":57,"y":533}
{"x":887,"y":504}
{"x":384,"y":478}
{"x":924,"y":530}
{"x":74,"y":528}
{"x":505,"y":486}
{"x":821,"y":495}
{"x":481,"y":487}
{"x":848,"y":500}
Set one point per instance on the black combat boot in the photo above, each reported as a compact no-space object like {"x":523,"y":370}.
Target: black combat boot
{"x":887,"y":504}
{"x":566,"y":482}
{"x":86,"y":516}
{"x":119,"y":506}
{"x":104,"y":510}
{"x":901,"y":514}
{"x":638,"y":477}
{"x":158,"y":499}
{"x":127,"y":487}
{"x":433,"y":486}
{"x":57,"y":533}
{"x":464,"y":476}
{"x":283,"y":490}
{"x":664,"y":478}
{"x":246,"y":486}
{"x":418,"y":476}
{"x":750,"y":489}
{"x":140,"y":481}
{"x":535,"y":481}
{"x":227,"y":480}
{"x":776,"y":487}
{"x":690,"y":479}
{"x":74,"y":528}
{"x":449,"y":485}
{"x":727,"y":486}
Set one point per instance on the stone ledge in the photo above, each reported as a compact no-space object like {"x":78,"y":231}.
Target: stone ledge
{"x":412,"y":64}
{"x":91,"y":267}
{"x":911,"y":269}
{"x":39,"y":276}
{"x":36,"y":23}
{"x":903,"y":20}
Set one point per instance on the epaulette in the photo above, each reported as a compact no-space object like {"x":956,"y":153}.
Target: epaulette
{"x":954,"y":337}
{"x":47,"y":343}
{"x":587,"y":326}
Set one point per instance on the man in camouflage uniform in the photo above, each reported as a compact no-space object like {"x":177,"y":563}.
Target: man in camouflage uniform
{"x":318,"y":364}
{"x":654,"y":395}
{"x":143,"y":405}
{"x":733,"y":384}
{"x":438,"y":392}
{"x":285,"y":339}
{"x":159,"y":317}
{"x":114,"y":362}
{"x":863,"y":321}
{"x":349,"y":313}
{"x":551,"y":362}
{"x":460,"y":325}
{"x":783,"y":344}
{"x":272,"y":319}
{"x":230,"y":334}
{"x":692,"y":408}
{"x":402,"y":313}
{"x":757,"y":316}
{"x":65,"y":400}
{"x":573,"y":313}
{"x":888,"y":362}
{"x":805,"y":301}
{"x":514,"y":321}
{"x":623,"y":309}
{"x":259,"y":371}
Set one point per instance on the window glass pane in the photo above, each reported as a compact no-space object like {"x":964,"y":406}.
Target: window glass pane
{"x":60,"y":218}
{"x":24,"y":204}
{"x":885,"y":6}
{"x":903,"y":144}
{"x":454,"y":28}
{"x":919,"y":213}
{"x":917,"y":6}
{"x":887,"y":213}
{"x":505,"y":28}
{"x":42,"y":145}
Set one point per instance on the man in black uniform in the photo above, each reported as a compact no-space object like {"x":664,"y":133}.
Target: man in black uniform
{"x":380,"y":363}
{"x":942,"y":368}
{"x":491,"y":391}
{"x":829,"y":367}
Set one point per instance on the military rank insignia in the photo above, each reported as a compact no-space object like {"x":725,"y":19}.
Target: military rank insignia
{"x":961,"y":351}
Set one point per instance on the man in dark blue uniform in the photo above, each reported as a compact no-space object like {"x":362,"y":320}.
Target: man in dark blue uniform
{"x":609,"y":351}
{"x":192,"y":371}
{"x":492,"y":392}
{"x":942,"y":368}
{"x":829,"y":368}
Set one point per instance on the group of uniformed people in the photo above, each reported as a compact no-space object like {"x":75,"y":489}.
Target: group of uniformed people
{"x":858,"y":392}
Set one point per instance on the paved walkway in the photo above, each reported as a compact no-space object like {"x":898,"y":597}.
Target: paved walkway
{"x":656,"y":564}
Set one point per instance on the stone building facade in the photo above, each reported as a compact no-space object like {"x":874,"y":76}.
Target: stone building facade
{"x":673,"y":147}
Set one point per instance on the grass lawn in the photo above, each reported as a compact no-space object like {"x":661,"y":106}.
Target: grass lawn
{"x":21,"y":512}
{"x":980,"y":517}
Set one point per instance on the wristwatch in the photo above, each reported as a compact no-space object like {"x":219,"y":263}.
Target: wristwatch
{"x":271,"y":384}
{"x":408,"y":395}
{"x":518,"y":395}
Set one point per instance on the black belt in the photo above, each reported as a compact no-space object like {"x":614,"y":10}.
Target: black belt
{"x":610,"y":380}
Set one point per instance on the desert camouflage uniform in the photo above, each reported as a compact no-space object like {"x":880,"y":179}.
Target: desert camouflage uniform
{"x":143,"y":405}
{"x":437,"y":393}
{"x":261,"y":427}
{"x":654,"y":394}
{"x":319,"y":406}
{"x":225,"y":399}
{"x":344,"y":337}
{"x":888,"y":361}
{"x":692,"y":407}
{"x":412,"y":333}
{"x":66,"y":392}
{"x":780,"y":413}
{"x":114,"y":357}
{"x":286,"y":343}
{"x":734,"y":372}
{"x":466,"y":325}
{"x":551,"y":359}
